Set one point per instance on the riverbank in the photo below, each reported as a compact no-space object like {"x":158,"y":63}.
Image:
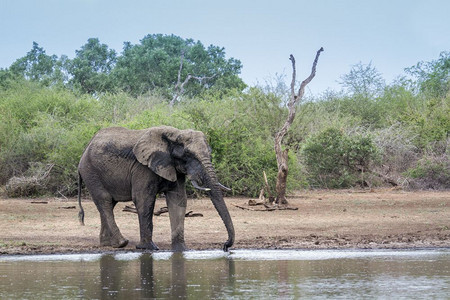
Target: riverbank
{"x":323,"y":220}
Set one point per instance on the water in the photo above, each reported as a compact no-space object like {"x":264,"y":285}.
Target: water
{"x":241,"y":274}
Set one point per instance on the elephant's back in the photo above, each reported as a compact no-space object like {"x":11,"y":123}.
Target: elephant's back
{"x":118,"y":134}
{"x":119,"y":137}
{"x":110,"y":144}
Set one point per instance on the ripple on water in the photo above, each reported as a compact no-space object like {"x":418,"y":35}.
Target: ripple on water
{"x":247,"y":254}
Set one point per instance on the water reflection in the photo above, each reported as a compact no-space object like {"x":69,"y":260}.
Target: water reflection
{"x":163,"y":275}
{"x":241,"y":274}
{"x":178,"y":281}
{"x":147,"y":279}
{"x":111,"y":272}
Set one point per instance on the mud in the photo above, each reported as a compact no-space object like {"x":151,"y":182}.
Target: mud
{"x":324,"y":220}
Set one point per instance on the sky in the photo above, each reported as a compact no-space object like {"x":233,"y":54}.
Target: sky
{"x":390,"y":34}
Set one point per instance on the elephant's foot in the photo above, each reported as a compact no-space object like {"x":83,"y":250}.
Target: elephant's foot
{"x":105,"y":243}
{"x":105,"y":240}
{"x":178,"y":247}
{"x":109,"y":242}
{"x":120,"y":243}
{"x":147,"y":246}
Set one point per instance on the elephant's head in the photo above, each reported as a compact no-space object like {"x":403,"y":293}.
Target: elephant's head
{"x":168,"y":151}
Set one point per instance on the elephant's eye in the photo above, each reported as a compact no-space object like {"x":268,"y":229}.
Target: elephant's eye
{"x":178,"y":151}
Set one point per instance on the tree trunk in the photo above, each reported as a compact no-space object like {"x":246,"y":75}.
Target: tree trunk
{"x":282,"y":155}
{"x":282,"y":160}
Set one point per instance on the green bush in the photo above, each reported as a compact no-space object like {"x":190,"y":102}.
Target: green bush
{"x":66,"y":156}
{"x":121,"y":107}
{"x":242,"y":141}
{"x":334,"y":159}
{"x":160,"y":114}
{"x":49,"y":126}
{"x":432,"y":171}
{"x":35,"y":122}
{"x":397,"y":149}
{"x":430,"y":119}
{"x":387,"y":134}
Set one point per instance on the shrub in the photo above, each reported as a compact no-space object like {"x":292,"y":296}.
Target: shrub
{"x":432,"y":171}
{"x":334,"y":159}
{"x":398,"y":152}
{"x":33,"y":183}
{"x":35,"y":123}
{"x":242,"y":140}
{"x":430,"y":120}
{"x":121,"y":107}
{"x":66,"y":156}
{"x":50,"y":126}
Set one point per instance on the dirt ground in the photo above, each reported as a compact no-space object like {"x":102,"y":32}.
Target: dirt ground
{"x":324,"y":219}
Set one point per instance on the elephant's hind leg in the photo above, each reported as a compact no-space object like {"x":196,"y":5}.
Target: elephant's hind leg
{"x":109,"y":233}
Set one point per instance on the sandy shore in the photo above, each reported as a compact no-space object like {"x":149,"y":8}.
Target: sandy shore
{"x":324,"y":219}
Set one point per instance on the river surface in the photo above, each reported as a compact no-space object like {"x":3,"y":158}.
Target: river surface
{"x":239,"y":274}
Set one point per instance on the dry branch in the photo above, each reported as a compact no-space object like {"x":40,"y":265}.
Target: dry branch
{"x":192,"y":214}
{"x":282,"y":155}
{"x":28,"y":185}
{"x":132,"y":209}
{"x":252,"y":202}
{"x":261,"y":195}
{"x":129,"y":208}
{"x":179,"y":87}
{"x":266,"y":207}
{"x":162,"y":210}
{"x":246,"y":208}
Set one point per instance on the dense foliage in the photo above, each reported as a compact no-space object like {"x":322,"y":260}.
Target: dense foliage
{"x":335,"y":159}
{"x":151,"y":65}
{"x":368,"y":134}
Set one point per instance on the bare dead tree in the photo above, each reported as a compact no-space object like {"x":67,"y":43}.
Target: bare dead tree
{"x":282,"y":155}
{"x":179,"y":87}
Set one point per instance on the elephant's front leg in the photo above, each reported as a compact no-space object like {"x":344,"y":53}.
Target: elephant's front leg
{"x":176,"y":202}
{"x":145,"y":205}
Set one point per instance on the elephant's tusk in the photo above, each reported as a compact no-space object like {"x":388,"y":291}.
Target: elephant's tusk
{"x":195,"y":184}
{"x":227,"y":189}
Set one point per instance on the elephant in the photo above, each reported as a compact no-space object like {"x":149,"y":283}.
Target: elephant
{"x":120,"y":164}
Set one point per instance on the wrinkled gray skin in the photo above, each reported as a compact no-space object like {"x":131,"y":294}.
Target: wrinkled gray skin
{"x":122,"y":165}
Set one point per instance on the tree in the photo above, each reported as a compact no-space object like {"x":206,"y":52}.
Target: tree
{"x":363,"y":80}
{"x":91,"y":67}
{"x":282,"y":155}
{"x":6,"y":78}
{"x":39,"y":67}
{"x":364,"y":84}
{"x":154,"y":64}
{"x":432,"y":78}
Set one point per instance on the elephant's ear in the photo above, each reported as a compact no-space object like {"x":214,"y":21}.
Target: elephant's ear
{"x":152,"y":150}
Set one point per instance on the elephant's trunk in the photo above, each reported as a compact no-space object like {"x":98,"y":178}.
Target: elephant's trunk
{"x":217,"y":199}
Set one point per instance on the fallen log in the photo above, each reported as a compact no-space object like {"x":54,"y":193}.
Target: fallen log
{"x":252,"y":202}
{"x":67,"y":207}
{"x":266,"y":207}
{"x":131,"y":209}
{"x":192,"y":214}
{"x":162,"y":210}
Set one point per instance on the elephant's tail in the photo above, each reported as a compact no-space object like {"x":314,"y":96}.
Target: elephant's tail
{"x":81,"y":212}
